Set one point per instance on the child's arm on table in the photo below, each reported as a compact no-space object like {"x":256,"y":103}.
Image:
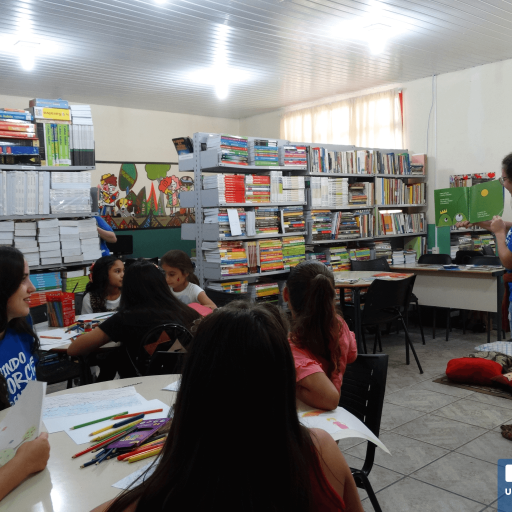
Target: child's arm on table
{"x":88,"y":342}
{"x":204,"y":300}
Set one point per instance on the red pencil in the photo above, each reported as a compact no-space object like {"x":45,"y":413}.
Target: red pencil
{"x":139,"y":450}
{"x":107,"y":441}
{"x":136,"y":414}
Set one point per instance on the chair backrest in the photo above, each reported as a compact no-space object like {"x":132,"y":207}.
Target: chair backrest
{"x":123,"y":246}
{"x":435,"y":259}
{"x":378,"y":264}
{"x":488,"y":250}
{"x":79,"y":299}
{"x":384,"y":296}
{"x":463,"y":257}
{"x":484,"y":260}
{"x":161,"y":350}
{"x":362,"y":394}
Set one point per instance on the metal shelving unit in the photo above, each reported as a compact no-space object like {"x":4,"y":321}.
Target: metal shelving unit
{"x":63,"y":168}
{"x":62,"y":266}
{"x":49,"y":216}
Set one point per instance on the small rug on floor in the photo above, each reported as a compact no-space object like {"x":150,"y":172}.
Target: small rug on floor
{"x":486,"y":390}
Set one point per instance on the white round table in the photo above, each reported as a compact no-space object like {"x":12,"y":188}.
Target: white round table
{"x":63,"y":486}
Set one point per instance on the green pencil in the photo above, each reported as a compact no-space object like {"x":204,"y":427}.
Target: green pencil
{"x":97,"y":421}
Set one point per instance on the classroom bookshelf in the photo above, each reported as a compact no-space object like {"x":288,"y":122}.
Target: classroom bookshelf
{"x":205,"y":162}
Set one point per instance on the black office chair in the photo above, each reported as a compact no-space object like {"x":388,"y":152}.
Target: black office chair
{"x":440,"y":259}
{"x":385,"y":301}
{"x":161,"y":351}
{"x":362,"y":394}
{"x":488,"y":250}
{"x":382,"y":264}
{"x":463,"y":257}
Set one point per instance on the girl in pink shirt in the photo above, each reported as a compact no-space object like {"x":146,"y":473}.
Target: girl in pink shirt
{"x":321,"y":342}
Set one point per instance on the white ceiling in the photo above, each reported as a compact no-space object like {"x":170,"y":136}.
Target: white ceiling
{"x":140,"y":53}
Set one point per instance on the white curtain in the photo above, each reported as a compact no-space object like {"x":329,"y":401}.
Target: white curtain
{"x":373,"y":121}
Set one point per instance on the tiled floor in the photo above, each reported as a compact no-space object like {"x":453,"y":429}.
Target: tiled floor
{"x":445,"y":441}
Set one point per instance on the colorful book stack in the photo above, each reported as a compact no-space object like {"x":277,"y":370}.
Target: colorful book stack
{"x":293,"y":156}
{"x":257,"y":188}
{"x":482,"y":240}
{"x":293,"y":189}
{"x":233,"y":150}
{"x":236,"y":287}
{"x":395,"y":191}
{"x":265,"y":292}
{"x":397,"y":163}
{"x":360,"y":193}
{"x":61,"y":309}
{"x":292,"y":219}
{"x":398,"y":223}
{"x":360,"y":253}
{"x":230,"y":187}
{"x":318,"y":256}
{"x":75,"y":284}
{"x":294,"y":251}
{"x":270,"y":255}
{"x":365,"y":221}
{"x":321,"y":224}
{"x":18,"y":139}
{"x":44,"y":282}
{"x":338,"y":258}
{"x":230,"y":255}
{"x":263,"y":152}
{"x":338,"y":192}
{"x":220,"y":216}
{"x":345,"y":225}
{"x":383,"y":250}
{"x":267,"y":220}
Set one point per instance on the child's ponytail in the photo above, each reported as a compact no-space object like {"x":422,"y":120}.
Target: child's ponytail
{"x":315,"y":325}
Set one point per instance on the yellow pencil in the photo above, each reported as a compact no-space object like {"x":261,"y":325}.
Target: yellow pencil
{"x":108,"y":434}
{"x":145,"y":455}
{"x":96,"y":432}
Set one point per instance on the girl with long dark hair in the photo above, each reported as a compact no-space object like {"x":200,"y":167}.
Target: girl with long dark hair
{"x":146,"y":302}
{"x":321,"y":342}
{"x":103,"y":292}
{"x":235,"y":442}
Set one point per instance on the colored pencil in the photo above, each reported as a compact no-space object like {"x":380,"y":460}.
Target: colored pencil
{"x":145,"y":455}
{"x":139,"y":415}
{"x":87,"y":464}
{"x":92,"y":423}
{"x":139,"y":450}
{"x":103,"y":457}
{"x":136,"y":413}
{"x":108,"y":434}
{"x":96,"y":447}
{"x":51,"y":337}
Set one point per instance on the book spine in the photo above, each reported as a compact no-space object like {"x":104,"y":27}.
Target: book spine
{"x":41,"y":135}
{"x":17,"y":135}
{"x":7,"y":126}
{"x":55,"y":141}
{"x":40,"y":102}
{"x":27,"y":116}
{"x":49,"y":146}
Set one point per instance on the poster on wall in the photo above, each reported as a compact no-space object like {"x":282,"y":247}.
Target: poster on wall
{"x":144,"y":196}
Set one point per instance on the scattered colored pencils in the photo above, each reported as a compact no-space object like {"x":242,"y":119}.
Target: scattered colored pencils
{"x":142,"y":449}
{"x":95,"y":421}
{"x":105,"y":442}
{"x":145,"y":455}
{"x":126,"y":415}
{"x":115,"y":431}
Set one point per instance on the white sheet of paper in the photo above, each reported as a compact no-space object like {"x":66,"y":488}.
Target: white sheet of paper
{"x":74,"y":404}
{"x":339,"y":423}
{"x":23,"y":420}
{"x":55,"y":333}
{"x":175,"y":386}
{"x":128,"y":480}
{"x":234,"y":222}
{"x":81,"y":435}
{"x":94,"y":316}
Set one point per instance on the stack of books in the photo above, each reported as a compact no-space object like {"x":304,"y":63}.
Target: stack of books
{"x":365,"y":221}
{"x":251,"y":249}
{"x":265,"y":292}
{"x":360,"y":253}
{"x":270,"y":255}
{"x":398,"y":223}
{"x":25,"y":241}
{"x":360,"y":193}
{"x":294,"y":251}
{"x":398,"y":257}
{"x":236,"y":287}
{"x":292,"y":189}
{"x":6,"y":232}
{"x":410,"y":257}
{"x":263,"y":152}
{"x":293,"y":156}
{"x":321,"y":224}
{"x":344,"y":225}
{"x":24,"y":193}
{"x":339,"y":259}
{"x":267,"y":220}
{"x":319,"y":192}
{"x":292,"y":219}
{"x":79,"y":240}
{"x":338,"y":192}
{"x":383,"y":250}
{"x":19,"y":144}
{"x":230,"y":187}
{"x":233,"y":150}
{"x":276,"y":186}
{"x":220,"y":216}
{"x":230,"y":255}
{"x":395,"y":191}
{"x":82,"y":136}
{"x":481,"y":240}
{"x":321,"y":257}
{"x":44,"y":282}
{"x":74,"y":280}
{"x":257,"y":188}
{"x":48,"y":238}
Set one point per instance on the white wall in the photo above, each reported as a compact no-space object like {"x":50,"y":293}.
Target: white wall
{"x":264,"y":125}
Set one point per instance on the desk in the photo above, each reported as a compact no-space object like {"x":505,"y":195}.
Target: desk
{"x":63,"y":486}
{"x":357,"y":286}
{"x":470,"y":288}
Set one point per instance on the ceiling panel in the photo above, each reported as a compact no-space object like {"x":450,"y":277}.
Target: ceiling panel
{"x":271,"y":53}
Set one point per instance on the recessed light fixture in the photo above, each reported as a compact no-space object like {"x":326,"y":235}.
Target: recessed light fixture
{"x":27,"y":48}
{"x":27,"y":51}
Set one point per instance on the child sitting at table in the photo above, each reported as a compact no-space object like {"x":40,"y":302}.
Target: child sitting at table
{"x":103,"y":292}
{"x":146,"y":302}
{"x":321,"y":342}
{"x":179,"y":274}
{"x":235,"y":442}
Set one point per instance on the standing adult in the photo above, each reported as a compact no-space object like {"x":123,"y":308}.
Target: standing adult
{"x":106,"y":233}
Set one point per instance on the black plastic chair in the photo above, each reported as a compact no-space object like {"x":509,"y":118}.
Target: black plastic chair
{"x":362,"y":394}
{"x":440,"y":259}
{"x":463,"y":257}
{"x":488,"y":250}
{"x":161,"y":351}
{"x":484,"y":260}
{"x":385,"y":301}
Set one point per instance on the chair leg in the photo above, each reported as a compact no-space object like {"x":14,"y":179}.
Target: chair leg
{"x":70,"y":383}
{"x":418,"y":310}
{"x":363,"y":482}
{"x":434,"y":325}
{"x":364,"y":340}
{"x":489,"y":321}
{"x":375,"y":343}
{"x":379,"y":339}
{"x":409,"y":343}
{"x":464,"y":321}
{"x":447,"y":324}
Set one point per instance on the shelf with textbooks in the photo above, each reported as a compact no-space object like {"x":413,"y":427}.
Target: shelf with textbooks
{"x":338,"y":241}
{"x":49,"y":216}
{"x":212,"y":271}
{"x":421,"y":177}
{"x":63,"y":168}
{"x":62,"y":266}
{"x":419,"y":233}
{"x":210,"y":199}
{"x":394,"y":206}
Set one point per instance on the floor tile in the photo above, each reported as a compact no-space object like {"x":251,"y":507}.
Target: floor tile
{"x":492,"y":400}
{"x":463,"y":475}
{"x":476,"y":413}
{"x":407,"y":455}
{"x":421,"y":400}
{"x":441,"y":388}
{"x":393,"y":415}
{"x":349,"y":442}
{"x":489,"y":447}
{"x":440,"y":431}
{"x":409,"y":495}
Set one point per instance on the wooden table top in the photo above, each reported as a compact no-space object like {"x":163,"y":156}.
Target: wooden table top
{"x":363,"y":278}
{"x":482,"y":271}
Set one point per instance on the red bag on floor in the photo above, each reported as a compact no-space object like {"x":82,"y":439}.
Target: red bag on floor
{"x":473,"y":370}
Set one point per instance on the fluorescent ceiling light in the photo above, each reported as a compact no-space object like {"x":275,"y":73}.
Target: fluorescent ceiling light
{"x":27,"y":48}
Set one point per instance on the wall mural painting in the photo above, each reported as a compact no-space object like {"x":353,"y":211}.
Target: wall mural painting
{"x":124,"y":207}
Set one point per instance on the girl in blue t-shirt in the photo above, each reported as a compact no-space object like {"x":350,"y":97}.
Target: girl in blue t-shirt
{"x":18,"y":341}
